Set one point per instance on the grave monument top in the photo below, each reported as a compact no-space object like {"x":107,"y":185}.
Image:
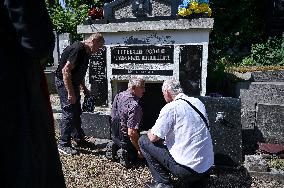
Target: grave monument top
{"x":144,"y":15}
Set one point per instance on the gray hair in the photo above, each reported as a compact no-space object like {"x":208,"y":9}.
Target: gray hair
{"x":136,"y":81}
{"x":173,"y":86}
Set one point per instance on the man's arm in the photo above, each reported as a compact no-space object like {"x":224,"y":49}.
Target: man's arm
{"x":66,"y":72}
{"x":133,"y":135}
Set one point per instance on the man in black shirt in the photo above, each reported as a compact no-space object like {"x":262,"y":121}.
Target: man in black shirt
{"x":68,"y":80}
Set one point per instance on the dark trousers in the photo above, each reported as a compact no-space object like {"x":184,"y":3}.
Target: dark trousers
{"x":70,"y":124}
{"x":161,"y":163}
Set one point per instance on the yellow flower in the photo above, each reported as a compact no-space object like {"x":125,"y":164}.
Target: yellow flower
{"x":182,"y":12}
{"x":193,"y":6}
{"x":209,"y":12}
{"x":189,"y":12}
{"x":203,"y":7}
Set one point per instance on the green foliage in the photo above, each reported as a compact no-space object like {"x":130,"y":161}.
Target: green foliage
{"x":269,"y":53}
{"x":266,"y":54}
{"x":66,"y":20}
{"x":248,"y":61}
{"x":237,"y":25}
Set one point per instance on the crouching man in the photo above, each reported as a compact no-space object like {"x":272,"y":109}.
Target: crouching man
{"x":126,"y":116}
{"x":179,"y":142}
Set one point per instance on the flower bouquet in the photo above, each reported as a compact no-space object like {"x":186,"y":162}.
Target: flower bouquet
{"x":197,"y":7}
{"x":95,"y":13}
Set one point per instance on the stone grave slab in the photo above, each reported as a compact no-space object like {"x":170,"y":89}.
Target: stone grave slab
{"x":226,"y":132}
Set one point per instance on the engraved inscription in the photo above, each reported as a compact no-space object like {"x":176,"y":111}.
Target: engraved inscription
{"x":142,"y":54}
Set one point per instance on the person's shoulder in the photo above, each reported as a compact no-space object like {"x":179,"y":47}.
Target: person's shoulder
{"x":125,"y":96}
{"x":196,"y":102}
{"x":193,"y":100}
{"x":169,"y":106}
{"x":188,"y":98}
{"x":78,"y":43}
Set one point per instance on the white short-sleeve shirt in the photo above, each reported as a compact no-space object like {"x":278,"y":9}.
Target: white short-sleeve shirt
{"x":185,"y":133}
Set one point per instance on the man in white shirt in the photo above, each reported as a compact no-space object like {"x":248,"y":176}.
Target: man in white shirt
{"x":179,"y":142}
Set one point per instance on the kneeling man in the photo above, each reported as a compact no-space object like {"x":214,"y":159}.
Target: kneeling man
{"x":126,"y":116}
{"x":179,"y":142}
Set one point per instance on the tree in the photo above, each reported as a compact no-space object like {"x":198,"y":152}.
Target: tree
{"x":66,"y":15}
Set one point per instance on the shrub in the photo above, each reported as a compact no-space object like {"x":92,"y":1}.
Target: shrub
{"x":248,"y":61}
{"x":270,"y":53}
{"x":237,"y":25}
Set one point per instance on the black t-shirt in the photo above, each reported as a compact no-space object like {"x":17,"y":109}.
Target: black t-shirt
{"x":77,"y":55}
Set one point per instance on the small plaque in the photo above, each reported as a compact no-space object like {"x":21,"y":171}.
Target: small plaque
{"x":142,"y":54}
{"x":142,"y":72}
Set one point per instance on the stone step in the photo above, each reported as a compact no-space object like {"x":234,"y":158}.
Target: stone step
{"x":249,"y":100}
{"x":96,"y":124}
{"x":262,"y":92}
{"x":268,"y":76}
{"x":271,"y":87}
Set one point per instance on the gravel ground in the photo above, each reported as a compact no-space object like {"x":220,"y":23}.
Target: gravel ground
{"x":90,"y":169}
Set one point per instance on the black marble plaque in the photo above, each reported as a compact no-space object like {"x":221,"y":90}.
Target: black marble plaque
{"x":142,"y":72}
{"x":190,"y":67}
{"x":142,"y":54}
{"x":97,"y":77}
{"x":97,"y":68}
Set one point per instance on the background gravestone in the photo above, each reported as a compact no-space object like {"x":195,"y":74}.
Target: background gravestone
{"x":270,"y":121}
{"x":226,"y":131}
{"x":262,"y":109}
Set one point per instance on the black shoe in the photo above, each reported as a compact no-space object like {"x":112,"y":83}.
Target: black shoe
{"x":111,"y":151}
{"x":84,"y":144}
{"x":67,"y":150}
{"x":157,"y":185}
{"x":123,"y":158}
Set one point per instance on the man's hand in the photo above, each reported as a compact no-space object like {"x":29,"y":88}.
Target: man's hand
{"x":133,"y":136}
{"x":140,"y":155}
{"x":83,"y":87}
{"x":87,"y":92}
{"x":72,"y":98}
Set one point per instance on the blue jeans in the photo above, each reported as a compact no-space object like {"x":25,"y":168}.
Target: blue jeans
{"x":70,"y":124}
{"x":161,"y":163}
